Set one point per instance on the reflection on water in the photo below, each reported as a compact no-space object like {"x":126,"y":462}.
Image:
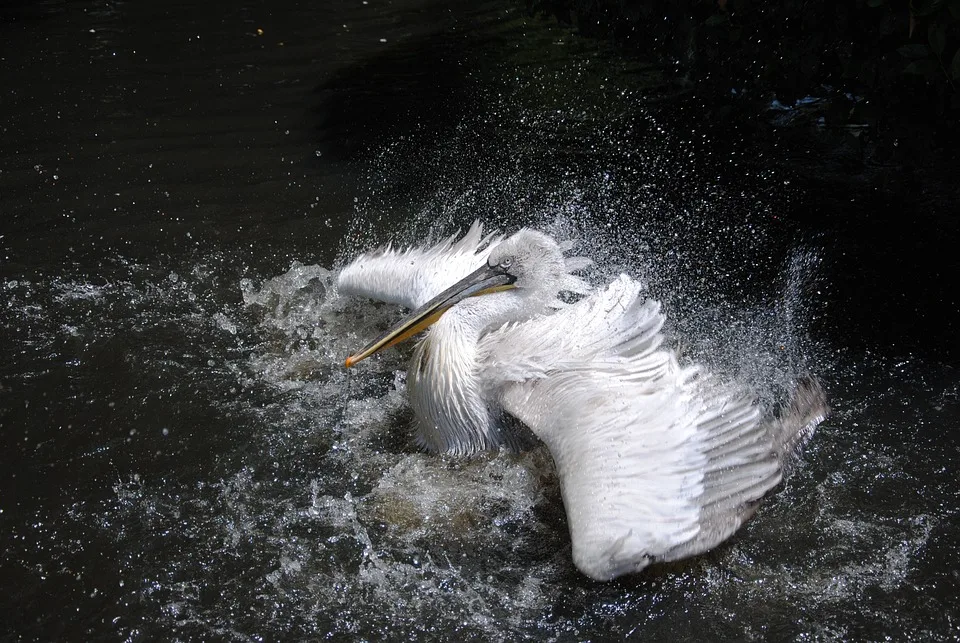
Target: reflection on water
{"x":184,"y":455}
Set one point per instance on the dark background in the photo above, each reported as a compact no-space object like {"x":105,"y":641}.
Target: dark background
{"x":159,"y":160}
{"x":872,"y":137}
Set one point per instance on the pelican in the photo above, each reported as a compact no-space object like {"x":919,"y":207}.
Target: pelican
{"x":656,"y":461}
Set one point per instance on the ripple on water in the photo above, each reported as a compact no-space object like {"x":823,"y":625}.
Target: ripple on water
{"x":305,"y":509}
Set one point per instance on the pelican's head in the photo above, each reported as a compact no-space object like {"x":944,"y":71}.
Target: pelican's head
{"x":529,"y":263}
{"x":533,"y":260}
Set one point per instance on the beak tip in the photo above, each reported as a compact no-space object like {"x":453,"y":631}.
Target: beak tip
{"x":350,"y":362}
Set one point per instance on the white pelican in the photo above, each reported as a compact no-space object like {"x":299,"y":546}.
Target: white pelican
{"x":656,"y":461}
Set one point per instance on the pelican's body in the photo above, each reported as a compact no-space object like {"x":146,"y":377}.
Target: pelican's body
{"x":450,"y":391}
{"x":656,"y":461}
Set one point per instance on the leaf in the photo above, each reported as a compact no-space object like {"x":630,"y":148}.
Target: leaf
{"x":924,"y":7}
{"x":851,"y":67}
{"x":928,"y":68}
{"x":937,"y":35}
{"x":955,"y":66}
{"x":913,"y":52}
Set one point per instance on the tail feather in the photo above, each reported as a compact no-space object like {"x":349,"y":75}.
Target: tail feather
{"x":797,"y":421}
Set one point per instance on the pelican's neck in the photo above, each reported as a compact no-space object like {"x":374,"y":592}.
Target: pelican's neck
{"x":453,"y":414}
{"x":475,"y":316}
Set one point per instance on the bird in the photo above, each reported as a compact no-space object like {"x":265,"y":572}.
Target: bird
{"x":657,"y":461}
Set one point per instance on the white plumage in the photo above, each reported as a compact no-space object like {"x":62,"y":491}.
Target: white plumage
{"x":656,"y":461}
{"x":411,"y":277}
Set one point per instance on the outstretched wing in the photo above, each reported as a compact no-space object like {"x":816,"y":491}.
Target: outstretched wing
{"x":656,"y":462}
{"x":612,"y":324}
{"x":411,"y":277}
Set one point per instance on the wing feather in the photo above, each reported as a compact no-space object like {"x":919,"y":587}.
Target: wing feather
{"x":656,"y":462}
{"x":613,"y":324}
{"x":412,"y":276}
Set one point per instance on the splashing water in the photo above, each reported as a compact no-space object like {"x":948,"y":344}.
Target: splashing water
{"x":247,"y":487}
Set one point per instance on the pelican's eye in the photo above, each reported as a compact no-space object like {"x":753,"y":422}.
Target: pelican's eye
{"x":505,"y":264}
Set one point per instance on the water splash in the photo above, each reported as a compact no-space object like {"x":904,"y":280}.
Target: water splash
{"x":265,"y":492}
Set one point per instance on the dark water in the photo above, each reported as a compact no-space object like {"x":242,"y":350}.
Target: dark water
{"x":183,"y":456}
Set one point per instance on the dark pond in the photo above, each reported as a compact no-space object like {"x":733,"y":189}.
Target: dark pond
{"x":183,"y":455}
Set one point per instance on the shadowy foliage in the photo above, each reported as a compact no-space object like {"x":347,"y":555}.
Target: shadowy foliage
{"x":874,"y":67}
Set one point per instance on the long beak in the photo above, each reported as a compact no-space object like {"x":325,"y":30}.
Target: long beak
{"x":483,"y":281}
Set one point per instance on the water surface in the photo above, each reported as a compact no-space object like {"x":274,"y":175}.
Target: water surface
{"x":184,"y":455}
